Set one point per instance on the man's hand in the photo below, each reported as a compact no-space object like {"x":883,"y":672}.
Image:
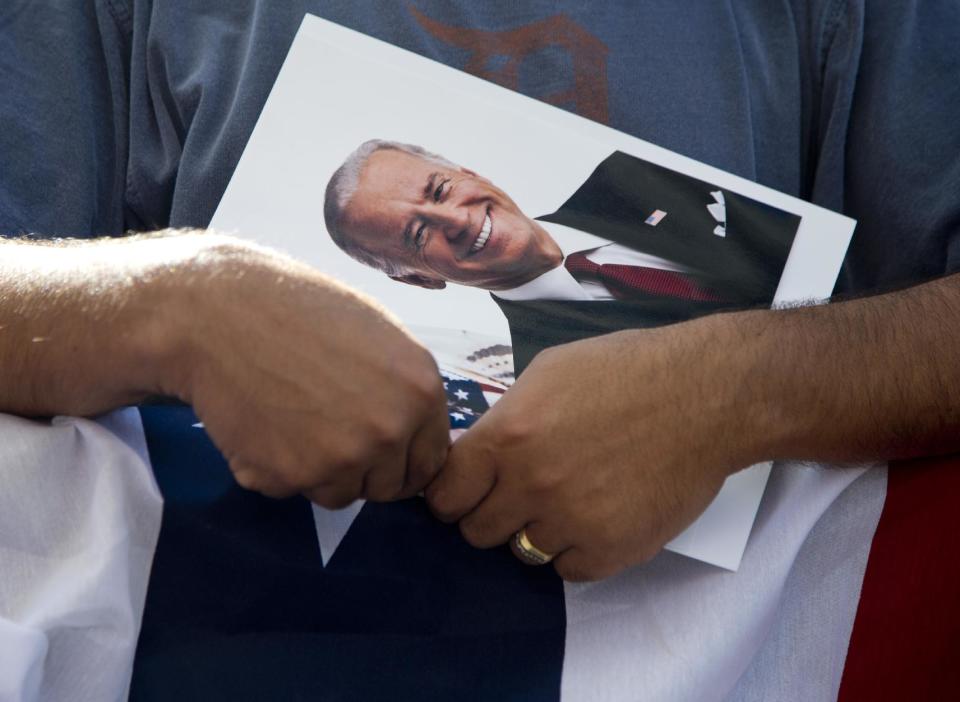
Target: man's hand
{"x":604,"y":450}
{"x":304,"y":385}
{"x":308,"y":388}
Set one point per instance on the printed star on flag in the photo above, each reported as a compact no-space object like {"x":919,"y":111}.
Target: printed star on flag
{"x":465,"y":401}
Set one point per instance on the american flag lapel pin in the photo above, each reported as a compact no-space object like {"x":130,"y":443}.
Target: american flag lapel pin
{"x":654,"y":219}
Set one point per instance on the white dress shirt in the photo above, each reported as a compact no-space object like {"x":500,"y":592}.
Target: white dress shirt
{"x":558,"y":284}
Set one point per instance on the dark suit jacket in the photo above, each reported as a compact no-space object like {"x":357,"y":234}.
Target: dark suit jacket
{"x":744,"y":266}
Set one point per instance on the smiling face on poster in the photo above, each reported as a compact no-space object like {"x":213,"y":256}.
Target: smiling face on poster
{"x":500,"y":162}
{"x":426,"y":221}
{"x":487,"y":220}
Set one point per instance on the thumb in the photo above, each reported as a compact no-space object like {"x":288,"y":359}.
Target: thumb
{"x":466,"y":478}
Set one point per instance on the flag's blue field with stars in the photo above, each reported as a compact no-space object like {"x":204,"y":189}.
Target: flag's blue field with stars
{"x":243,"y":605}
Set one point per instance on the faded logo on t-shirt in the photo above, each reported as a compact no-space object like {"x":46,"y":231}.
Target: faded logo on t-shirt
{"x":553,"y":59}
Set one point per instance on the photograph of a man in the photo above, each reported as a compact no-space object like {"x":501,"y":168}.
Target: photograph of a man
{"x":652,"y":245}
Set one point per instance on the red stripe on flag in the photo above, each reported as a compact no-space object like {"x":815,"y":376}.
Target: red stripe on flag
{"x":905,"y":643}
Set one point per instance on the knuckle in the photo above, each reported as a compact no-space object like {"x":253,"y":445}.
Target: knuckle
{"x":339,"y":501}
{"x":421,"y":380}
{"x":414,"y":481}
{"x":245,"y":477}
{"x":251,"y":477}
{"x":385,"y":433}
{"x":380,"y":494}
{"x":543,"y":479}
{"x":296,"y":474}
{"x":302,"y":475}
{"x":347,"y":458}
{"x":477,"y":533}
{"x":420,"y":473}
{"x":333,"y":497}
{"x":516,"y":431}
{"x":377,"y":493}
{"x":283,"y":464}
{"x":545,"y":358}
{"x":441,"y":504}
{"x":384,"y":487}
{"x":427,"y":388}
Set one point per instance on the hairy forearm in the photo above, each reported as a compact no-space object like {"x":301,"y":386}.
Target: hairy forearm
{"x":304,"y":385}
{"x":872,"y":378}
{"x":85,"y":326}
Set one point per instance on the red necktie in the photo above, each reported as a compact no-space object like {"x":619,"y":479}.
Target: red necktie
{"x":625,"y":282}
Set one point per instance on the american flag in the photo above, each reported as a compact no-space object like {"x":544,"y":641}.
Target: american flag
{"x":654,"y":219}
{"x":242,"y":605}
{"x":465,"y":400}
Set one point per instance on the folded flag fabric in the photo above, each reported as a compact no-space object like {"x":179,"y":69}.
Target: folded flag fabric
{"x":240,"y":606}
{"x":905,"y":643}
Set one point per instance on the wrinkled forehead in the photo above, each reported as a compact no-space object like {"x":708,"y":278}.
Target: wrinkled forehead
{"x":395,"y":175}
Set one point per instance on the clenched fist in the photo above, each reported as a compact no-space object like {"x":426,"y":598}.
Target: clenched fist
{"x":305,"y":386}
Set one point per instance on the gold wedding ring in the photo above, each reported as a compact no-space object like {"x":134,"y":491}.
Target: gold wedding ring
{"x":530,"y":553}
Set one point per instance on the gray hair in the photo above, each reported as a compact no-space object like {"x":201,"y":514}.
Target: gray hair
{"x":342,"y":186}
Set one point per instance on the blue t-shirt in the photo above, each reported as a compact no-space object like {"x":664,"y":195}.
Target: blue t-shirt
{"x":131,"y":114}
